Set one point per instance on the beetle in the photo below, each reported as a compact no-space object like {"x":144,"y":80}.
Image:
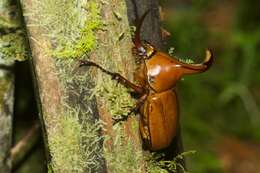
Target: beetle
{"x":156,"y":76}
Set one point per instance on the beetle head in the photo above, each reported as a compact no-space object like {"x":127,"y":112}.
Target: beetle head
{"x":146,"y":51}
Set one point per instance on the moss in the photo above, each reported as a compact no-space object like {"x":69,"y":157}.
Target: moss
{"x":5,"y":85}
{"x":12,"y":37}
{"x":122,"y":156}
{"x":4,"y":23}
{"x":12,"y":46}
{"x":70,"y":143}
{"x":87,"y":40}
{"x":71,"y":27}
{"x":186,"y":60}
{"x":75,"y":141}
{"x":157,"y":165}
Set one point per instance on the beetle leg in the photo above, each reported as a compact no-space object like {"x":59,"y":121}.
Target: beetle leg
{"x":115,"y":76}
{"x":138,"y":104}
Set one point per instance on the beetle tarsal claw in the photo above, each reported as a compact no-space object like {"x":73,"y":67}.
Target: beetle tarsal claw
{"x":117,"y":120}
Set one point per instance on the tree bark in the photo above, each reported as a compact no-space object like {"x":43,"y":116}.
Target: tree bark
{"x":68,"y":109}
{"x":6,"y":91}
{"x":6,"y":114}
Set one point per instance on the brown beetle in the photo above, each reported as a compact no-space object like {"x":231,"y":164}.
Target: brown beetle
{"x":157,"y":77}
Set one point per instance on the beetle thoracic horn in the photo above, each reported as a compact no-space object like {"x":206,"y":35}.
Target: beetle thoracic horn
{"x":197,"y":68}
{"x":137,"y":38}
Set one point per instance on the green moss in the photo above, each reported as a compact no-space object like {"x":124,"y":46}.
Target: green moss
{"x":157,"y":165}
{"x":71,"y":27}
{"x":87,"y":40}
{"x":12,"y":37}
{"x":70,"y":145}
{"x":116,"y":96}
{"x":4,"y":23}
{"x":12,"y":46}
{"x":75,"y":141}
{"x":186,"y":60}
{"x":5,"y":84}
{"x":122,"y":156}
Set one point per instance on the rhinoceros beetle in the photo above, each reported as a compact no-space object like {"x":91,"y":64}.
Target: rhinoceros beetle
{"x":156,"y":76}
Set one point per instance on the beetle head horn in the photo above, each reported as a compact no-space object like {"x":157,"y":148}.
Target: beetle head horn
{"x":137,"y":38}
{"x":198,"y":68}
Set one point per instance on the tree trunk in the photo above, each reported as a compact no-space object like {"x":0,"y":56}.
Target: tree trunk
{"x":7,"y":22}
{"x":71,"y":100}
{"x":6,"y":114}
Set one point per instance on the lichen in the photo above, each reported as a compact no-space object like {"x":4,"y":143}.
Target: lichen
{"x":122,"y":156}
{"x":75,"y":141}
{"x":71,"y":27}
{"x":5,"y":85}
{"x":87,"y":40}
{"x":156,"y":163}
{"x":12,"y":37}
{"x":70,"y":145}
{"x":13,"y":46}
{"x":185,"y":60}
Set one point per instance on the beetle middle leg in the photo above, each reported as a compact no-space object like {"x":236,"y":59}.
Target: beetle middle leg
{"x":115,"y":76}
{"x":135,"y":109}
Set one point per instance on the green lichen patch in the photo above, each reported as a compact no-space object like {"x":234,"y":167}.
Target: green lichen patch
{"x":116,"y":96}
{"x":73,"y":27}
{"x":188,"y":61}
{"x":69,"y":24}
{"x":87,"y":40}
{"x":5,"y":85}
{"x":185,"y":60}
{"x":122,"y":156}
{"x":156,"y":163}
{"x":13,"y":46}
{"x":5,"y":23}
{"x":72,"y":145}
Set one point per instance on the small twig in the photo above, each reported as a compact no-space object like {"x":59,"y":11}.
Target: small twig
{"x":6,"y":67}
{"x":20,"y":150}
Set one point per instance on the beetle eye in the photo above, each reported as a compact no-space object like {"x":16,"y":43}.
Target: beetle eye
{"x":141,"y":51}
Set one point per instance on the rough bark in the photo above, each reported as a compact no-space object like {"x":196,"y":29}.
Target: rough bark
{"x":6,"y":94}
{"x":56,"y":97}
{"x":6,"y":114}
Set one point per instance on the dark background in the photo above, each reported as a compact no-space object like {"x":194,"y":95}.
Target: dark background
{"x":219,"y":109}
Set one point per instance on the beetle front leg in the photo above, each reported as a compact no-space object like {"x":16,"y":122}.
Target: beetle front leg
{"x":115,"y":76}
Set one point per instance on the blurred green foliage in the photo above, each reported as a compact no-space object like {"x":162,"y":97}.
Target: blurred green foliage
{"x":224,"y":100}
